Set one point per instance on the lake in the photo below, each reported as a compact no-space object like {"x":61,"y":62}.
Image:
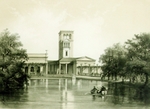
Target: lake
{"x":67,"y":93}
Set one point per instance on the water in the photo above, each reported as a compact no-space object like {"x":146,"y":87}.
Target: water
{"x":74,"y":94}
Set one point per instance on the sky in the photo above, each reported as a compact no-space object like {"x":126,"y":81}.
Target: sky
{"x":97,"y":24}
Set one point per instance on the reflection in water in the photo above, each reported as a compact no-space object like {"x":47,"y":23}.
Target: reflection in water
{"x":46,"y":85}
{"x":64,"y":93}
{"x":79,"y":83}
{"x":59,"y":84}
{"x":121,"y":94}
{"x":73,"y":80}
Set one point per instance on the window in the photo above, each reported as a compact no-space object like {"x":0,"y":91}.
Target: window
{"x":67,"y":44}
{"x":32,"y":69}
{"x":66,"y":53}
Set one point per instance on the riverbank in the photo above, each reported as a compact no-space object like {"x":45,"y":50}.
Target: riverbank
{"x":70,"y":76}
{"x":126,"y":82}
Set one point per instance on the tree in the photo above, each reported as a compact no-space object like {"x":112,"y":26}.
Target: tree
{"x":113,"y":61}
{"x":138,"y":57}
{"x":12,"y":61}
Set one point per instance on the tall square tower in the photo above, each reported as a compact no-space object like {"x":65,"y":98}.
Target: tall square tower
{"x":65,"y":44}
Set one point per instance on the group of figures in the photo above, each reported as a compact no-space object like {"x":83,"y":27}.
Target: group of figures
{"x":98,"y":91}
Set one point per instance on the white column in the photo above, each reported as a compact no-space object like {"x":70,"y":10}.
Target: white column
{"x":89,"y":69}
{"x":41,"y":70}
{"x":35,"y":70}
{"x":97,"y":68}
{"x":46,"y":68}
{"x":81,"y":69}
{"x":75,"y":71}
{"x":46,"y":64}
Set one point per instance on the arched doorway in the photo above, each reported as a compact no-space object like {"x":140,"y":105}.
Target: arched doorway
{"x":32,"y":70}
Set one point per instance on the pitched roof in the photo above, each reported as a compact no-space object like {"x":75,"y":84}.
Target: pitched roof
{"x":37,"y":55}
{"x":70,"y":59}
{"x":85,"y":58}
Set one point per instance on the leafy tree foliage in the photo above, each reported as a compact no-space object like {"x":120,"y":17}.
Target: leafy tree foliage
{"x":138,"y":57}
{"x":12,"y":61}
{"x":131,"y":60}
{"x":113,"y":61}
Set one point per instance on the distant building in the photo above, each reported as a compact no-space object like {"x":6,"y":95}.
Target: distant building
{"x":66,"y":63}
{"x":37,"y":63}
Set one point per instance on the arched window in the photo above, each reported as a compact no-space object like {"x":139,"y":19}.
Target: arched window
{"x":32,"y":69}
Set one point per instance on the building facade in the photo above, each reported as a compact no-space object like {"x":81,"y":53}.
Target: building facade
{"x":66,"y":63}
{"x":37,"y":64}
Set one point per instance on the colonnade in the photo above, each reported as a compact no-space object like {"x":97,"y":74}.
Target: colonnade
{"x":74,"y":69}
{"x":36,"y":69}
{"x":88,"y":70}
{"x":65,"y":68}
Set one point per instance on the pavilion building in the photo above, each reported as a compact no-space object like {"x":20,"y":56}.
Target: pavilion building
{"x":66,"y":63}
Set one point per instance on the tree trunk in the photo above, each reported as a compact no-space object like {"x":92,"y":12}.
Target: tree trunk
{"x":146,"y":81}
{"x":112,"y":76}
{"x":115,"y":76}
{"x":108,"y":75}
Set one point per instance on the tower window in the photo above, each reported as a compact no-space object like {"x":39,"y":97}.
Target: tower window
{"x":67,"y":44}
{"x":66,"y":53}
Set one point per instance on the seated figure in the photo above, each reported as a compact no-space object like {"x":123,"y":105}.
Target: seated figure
{"x":102,"y":89}
{"x":93,"y":90}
